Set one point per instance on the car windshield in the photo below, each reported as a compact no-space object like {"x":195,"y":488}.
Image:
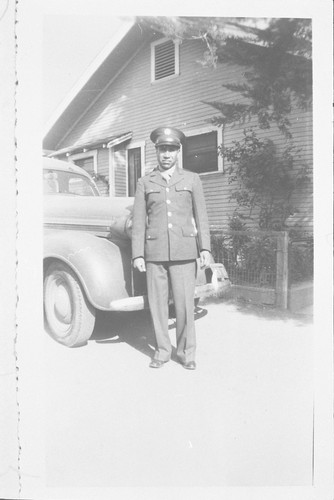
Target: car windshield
{"x":69,"y":183}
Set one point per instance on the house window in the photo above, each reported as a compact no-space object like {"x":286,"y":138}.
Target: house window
{"x":200,"y":153}
{"x":87,"y":161}
{"x":87,"y":164}
{"x":126,"y":168}
{"x":165,"y":59}
{"x":134,"y":169}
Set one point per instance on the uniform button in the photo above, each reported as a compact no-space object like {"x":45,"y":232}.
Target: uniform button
{"x":167,"y":189}
{"x":169,"y":214}
{"x":170,"y":225}
{"x":168,"y":202}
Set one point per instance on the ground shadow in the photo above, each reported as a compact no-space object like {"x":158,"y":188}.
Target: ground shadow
{"x":134,"y":328}
{"x":261,"y":310}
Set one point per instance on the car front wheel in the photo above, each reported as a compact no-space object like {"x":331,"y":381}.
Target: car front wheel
{"x":69,"y":317}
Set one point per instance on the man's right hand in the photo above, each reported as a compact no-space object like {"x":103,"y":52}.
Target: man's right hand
{"x":139,"y":263}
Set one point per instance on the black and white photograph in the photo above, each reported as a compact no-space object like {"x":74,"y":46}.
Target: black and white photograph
{"x":171,"y":253}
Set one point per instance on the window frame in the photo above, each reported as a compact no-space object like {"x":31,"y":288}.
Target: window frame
{"x":176,"y":55}
{"x":111,"y":172}
{"x":135,"y":145}
{"x":200,"y":131}
{"x":87,"y":154}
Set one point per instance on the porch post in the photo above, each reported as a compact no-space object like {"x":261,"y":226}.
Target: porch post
{"x":282,"y":270}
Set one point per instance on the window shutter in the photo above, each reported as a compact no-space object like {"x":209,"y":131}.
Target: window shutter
{"x":164,"y":61}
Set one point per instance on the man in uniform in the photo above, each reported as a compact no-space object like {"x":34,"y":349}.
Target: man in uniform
{"x":170,"y":231}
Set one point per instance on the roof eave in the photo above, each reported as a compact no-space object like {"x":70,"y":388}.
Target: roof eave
{"x":87,"y":88}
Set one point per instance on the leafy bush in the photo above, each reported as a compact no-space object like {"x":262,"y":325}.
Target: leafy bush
{"x":251,"y":259}
{"x":263,"y":180}
{"x":301,"y":260}
{"x":247,"y":258}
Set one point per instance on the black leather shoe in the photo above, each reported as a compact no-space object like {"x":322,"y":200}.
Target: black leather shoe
{"x":189,"y":366}
{"x":156,"y":363}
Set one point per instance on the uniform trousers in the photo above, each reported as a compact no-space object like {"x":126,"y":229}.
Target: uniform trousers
{"x":181,"y":275}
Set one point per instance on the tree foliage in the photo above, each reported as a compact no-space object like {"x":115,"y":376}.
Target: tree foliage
{"x":276,"y":55}
{"x":276,"y":60}
{"x":263,"y":179}
{"x":278,"y":74}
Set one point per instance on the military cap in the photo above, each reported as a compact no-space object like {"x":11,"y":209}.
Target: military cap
{"x":164,"y":136}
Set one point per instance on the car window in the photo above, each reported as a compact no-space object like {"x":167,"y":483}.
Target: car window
{"x":69,"y":183}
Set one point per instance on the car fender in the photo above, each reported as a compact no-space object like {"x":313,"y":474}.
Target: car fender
{"x":102,"y":266}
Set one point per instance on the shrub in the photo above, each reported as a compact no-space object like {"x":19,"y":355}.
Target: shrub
{"x":301,"y":260}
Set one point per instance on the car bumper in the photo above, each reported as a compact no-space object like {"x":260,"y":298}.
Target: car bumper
{"x":218,"y":286}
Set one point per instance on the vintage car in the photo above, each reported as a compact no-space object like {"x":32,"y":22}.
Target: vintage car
{"x":87,"y":255}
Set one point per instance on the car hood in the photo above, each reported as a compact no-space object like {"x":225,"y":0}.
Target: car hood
{"x":104,"y":216}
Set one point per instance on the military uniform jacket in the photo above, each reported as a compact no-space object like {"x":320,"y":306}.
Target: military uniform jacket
{"x":169,"y":220}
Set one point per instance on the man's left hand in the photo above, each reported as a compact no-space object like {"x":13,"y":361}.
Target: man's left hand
{"x":205,"y":259}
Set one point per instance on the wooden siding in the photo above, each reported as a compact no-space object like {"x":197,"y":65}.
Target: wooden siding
{"x":133,"y":103}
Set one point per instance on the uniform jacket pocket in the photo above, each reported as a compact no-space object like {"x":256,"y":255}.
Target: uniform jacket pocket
{"x":183,"y":187}
{"x":151,"y":190}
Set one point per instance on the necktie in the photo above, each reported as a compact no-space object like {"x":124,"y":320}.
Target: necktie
{"x":166,"y":176}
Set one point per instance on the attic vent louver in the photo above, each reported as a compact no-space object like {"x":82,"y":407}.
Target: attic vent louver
{"x":164,"y":60}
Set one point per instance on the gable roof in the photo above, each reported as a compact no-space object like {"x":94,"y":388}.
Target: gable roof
{"x":104,"y":69}
{"x":110,"y":61}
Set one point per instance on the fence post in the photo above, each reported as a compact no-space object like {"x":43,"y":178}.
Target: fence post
{"x":282,"y":270}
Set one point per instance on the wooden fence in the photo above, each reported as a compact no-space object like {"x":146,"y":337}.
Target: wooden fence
{"x":256,"y":261}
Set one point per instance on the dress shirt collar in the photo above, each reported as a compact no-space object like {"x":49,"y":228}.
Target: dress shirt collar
{"x":167,"y":174}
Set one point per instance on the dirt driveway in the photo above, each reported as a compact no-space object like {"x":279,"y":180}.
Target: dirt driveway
{"x":243,"y":418}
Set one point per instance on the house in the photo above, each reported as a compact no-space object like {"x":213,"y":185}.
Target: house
{"x":141,"y":81}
